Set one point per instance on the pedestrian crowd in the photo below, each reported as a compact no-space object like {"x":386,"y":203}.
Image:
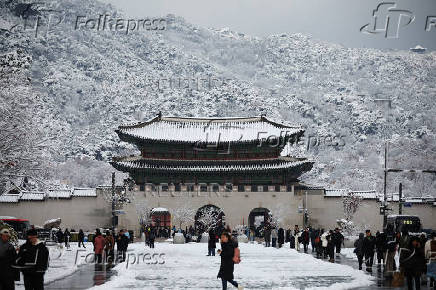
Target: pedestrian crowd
{"x":32,"y":257}
{"x":416,"y":256}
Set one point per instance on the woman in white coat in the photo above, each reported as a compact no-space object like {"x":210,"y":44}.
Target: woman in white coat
{"x":324,"y":243}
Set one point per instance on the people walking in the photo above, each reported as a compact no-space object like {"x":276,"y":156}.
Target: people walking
{"x":211,"y":244}
{"x":305,"y":239}
{"x":109,"y":245}
{"x":338,"y":240}
{"x":60,"y":237}
{"x":32,"y":260}
{"x":313,"y":234}
{"x":324,"y":243}
{"x":381,"y":244}
{"x":331,"y":246}
{"x":297,"y":236}
{"x":390,"y":265}
{"x":227,"y":263}
{"x":281,"y":237}
{"x":267,"y":236}
{"x":81,"y":238}
{"x":368,"y":250}
{"x":151,"y":238}
{"x":99,"y":244}
{"x":413,"y":263}
{"x":122,"y":245}
{"x":274,"y":236}
{"x":358,"y":249}
{"x":67,"y":238}
{"x":8,"y":255}
{"x":430,"y":255}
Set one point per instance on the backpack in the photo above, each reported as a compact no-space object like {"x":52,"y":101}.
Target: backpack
{"x":433,"y":249}
{"x":237,"y":256}
{"x":317,"y":240}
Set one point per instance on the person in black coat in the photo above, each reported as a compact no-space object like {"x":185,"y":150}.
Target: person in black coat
{"x":267,"y":236}
{"x":211,"y":244}
{"x":227,"y":253}
{"x":281,"y":237}
{"x":338,"y":240}
{"x":381,"y":244}
{"x":81,"y":238}
{"x":60,"y":236}
{"x":358,"y":249}
{"x":413,"y":263}
{"x":8,"y":255}
{"x":151,"y":239}
{"x":368,"y":250}
{"x":122,"y":244}
{"x":32,"y":260}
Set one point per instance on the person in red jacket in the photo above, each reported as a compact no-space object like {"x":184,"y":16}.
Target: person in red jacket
{"x":99,"y":243}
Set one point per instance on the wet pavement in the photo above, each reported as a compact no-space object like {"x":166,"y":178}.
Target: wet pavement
{"x":381,"y":282}
{"x":85,"y":277}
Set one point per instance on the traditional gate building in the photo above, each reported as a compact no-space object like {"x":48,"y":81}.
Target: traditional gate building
{"x":234,"y":164}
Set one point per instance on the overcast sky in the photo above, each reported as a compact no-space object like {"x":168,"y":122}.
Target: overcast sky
{"x":337,"y":21}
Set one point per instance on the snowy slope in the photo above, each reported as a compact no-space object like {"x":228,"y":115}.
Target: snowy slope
{"x":89,"y":82}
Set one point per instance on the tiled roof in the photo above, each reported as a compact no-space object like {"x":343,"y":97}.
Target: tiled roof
{"x":208,"y":130}
{"x":84,"y":192}
{"x":60,"y":193}
{"x":9,"y":198}
{"x":211,"y":166}
{"x":32,"y":195}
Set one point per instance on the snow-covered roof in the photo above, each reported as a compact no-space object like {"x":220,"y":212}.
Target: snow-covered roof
{"x":276,"y":163}
{"x":336,"y":192}
{"x":365,"y":194}
{"x":159,"y":209}
{"x":9,"y":198}
{"x":208,"y":130}
{"x":59,"y":193}
{"x":84,"y":192}
{"x":32,"y":195}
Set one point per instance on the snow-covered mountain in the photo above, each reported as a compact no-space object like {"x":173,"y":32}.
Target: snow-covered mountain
{"x":87,"y":82}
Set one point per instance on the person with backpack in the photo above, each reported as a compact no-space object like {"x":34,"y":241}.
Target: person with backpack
{"x":358,"y":249}
{"x":430,"y":255}
{"x":227,"y":254}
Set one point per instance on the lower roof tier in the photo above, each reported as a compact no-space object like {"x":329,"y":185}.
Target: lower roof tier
{"x":246,"y":166}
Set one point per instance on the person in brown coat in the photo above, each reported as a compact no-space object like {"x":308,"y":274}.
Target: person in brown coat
{"x":109,"y":246}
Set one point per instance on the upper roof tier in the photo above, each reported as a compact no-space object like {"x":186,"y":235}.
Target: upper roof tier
{"x":207,"y":130}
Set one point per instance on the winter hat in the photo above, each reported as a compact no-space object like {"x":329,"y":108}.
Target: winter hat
{"x":5,"y":232}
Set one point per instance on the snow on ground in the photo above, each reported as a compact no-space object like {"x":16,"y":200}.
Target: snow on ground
{"x":62,"y":262}
{"x":187,"y":266}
